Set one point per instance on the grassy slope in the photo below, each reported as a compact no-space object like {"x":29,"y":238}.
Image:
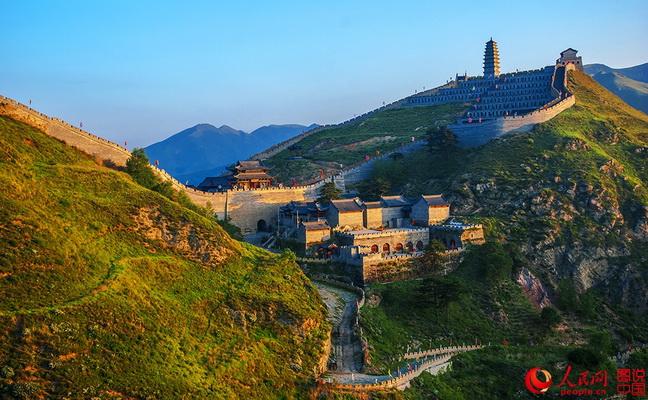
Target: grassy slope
{"x":522,"y":186}
{"x":347,"y":145}
{"x":90,"y":307}
{"x":517,"y":175}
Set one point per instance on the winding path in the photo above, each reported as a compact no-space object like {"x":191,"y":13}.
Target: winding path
{"x":345,"y":361}
{"x":347,"y":349}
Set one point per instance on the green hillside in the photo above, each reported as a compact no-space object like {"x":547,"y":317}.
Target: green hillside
{"x":110,"y":290}
{"x":383,"y":132}
{"x":577,"y":183}
{"x":569,"y":202}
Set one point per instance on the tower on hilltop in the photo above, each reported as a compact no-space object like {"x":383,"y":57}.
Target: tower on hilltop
{"x":491,"y":60}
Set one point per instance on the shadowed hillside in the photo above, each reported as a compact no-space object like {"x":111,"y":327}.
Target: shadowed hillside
{"x":111,"y":290}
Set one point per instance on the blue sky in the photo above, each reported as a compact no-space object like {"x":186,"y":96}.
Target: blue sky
{"x":140,"y":71}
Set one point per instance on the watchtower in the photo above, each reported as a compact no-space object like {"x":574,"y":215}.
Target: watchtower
{"x":491,"y":60}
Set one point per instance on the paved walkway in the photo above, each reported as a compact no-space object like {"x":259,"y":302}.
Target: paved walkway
{"x":347,"y":349}
{"x":347,"y":358}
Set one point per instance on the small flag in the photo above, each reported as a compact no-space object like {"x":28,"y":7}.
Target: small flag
{"x":80,"y":124}
{"x":125,"y":144}
{"x":157,"y":162}
{"x":30,"y":102}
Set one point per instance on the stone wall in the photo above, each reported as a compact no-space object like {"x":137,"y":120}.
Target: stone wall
{"x":390,"y":237}
{"x":88,"y":143}
{"x":477,"y":134}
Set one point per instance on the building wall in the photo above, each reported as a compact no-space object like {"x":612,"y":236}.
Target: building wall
{"x":438,"y":214}
{"x":390,"y":215}
{"x":351,"y":219}
{"x":313,"y":236}
{"x":372,"y":217}
{"x":392,"y":238}
{"x":457,"y":237}
{"x":332,"y":217}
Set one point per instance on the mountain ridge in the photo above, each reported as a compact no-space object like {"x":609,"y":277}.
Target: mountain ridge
{"x":630,"y":84}
{"x":206,"y":149}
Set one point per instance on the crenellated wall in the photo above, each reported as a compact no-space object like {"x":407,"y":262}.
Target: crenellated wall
{"x":70,"y":135}
{"x":477,"y":134}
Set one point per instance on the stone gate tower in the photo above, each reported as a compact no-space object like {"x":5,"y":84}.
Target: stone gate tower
{"x":491,"y":60}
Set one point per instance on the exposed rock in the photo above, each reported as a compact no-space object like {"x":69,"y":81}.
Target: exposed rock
{"x":182,"y":236}
{"x":533,"y":288}
{"x":575,"y":144}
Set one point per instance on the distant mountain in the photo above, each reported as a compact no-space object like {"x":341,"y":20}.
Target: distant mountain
{"x":630,"y":84}
{"x":637,"y":73}
{"x":204,"y":150}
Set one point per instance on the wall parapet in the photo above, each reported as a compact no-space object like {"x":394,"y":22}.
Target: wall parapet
{"x":379,"y":234}
{"x":438,"y":357}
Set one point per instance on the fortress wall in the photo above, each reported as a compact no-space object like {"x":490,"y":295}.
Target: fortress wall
{"x":247,"y":207}
{"x":477,"y":134}
{"x":70,"y":135}
{"x":244,"y":207}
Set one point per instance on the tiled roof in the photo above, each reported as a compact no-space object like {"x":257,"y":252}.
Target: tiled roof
{"x":259,"y":175}
{"x":214,"y":182}
{"x":246,"y":165}
{"x":394,"y":201}
{"x":316,"y":225}
{"x":372,"y":204}
{"x":350,"y":205}
{"x":435,"y":200}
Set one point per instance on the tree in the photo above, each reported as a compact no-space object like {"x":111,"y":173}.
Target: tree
{"x":328,"y":192}
{"x":550,"y":317}
{"x":567,"y":295}
{"x":496,"y":263}
{"x":431,"y":261}
{"x":441,"y":138}
{"x":373,"y":189}
{"x":439,"y":292}
{"x":600,"y":342}
{"x":138,"y":167}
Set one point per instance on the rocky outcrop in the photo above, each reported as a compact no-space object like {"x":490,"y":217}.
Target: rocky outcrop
{"x":183,"y":236}
{"x":533,"y":288}
{"x":567,"y":226}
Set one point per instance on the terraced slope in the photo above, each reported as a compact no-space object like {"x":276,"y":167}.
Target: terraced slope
{"x":110,"y":290}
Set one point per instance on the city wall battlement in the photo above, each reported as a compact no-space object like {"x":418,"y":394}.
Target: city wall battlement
{"x":254,"y":208}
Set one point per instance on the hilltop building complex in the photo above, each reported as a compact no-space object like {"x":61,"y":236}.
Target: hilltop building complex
{"x":499,"y":104}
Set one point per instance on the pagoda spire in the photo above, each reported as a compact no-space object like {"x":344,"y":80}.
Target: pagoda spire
{"x":491,"y":60}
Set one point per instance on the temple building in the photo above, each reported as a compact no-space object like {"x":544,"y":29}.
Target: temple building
{"x":215,"y":184}
{"x":249,"y":175}
{"x":491,"y":60}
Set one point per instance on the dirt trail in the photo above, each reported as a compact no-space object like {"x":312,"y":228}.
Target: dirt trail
{"x":347,"y":349}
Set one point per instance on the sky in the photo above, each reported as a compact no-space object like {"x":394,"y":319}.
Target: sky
{"x":141,"y":71}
